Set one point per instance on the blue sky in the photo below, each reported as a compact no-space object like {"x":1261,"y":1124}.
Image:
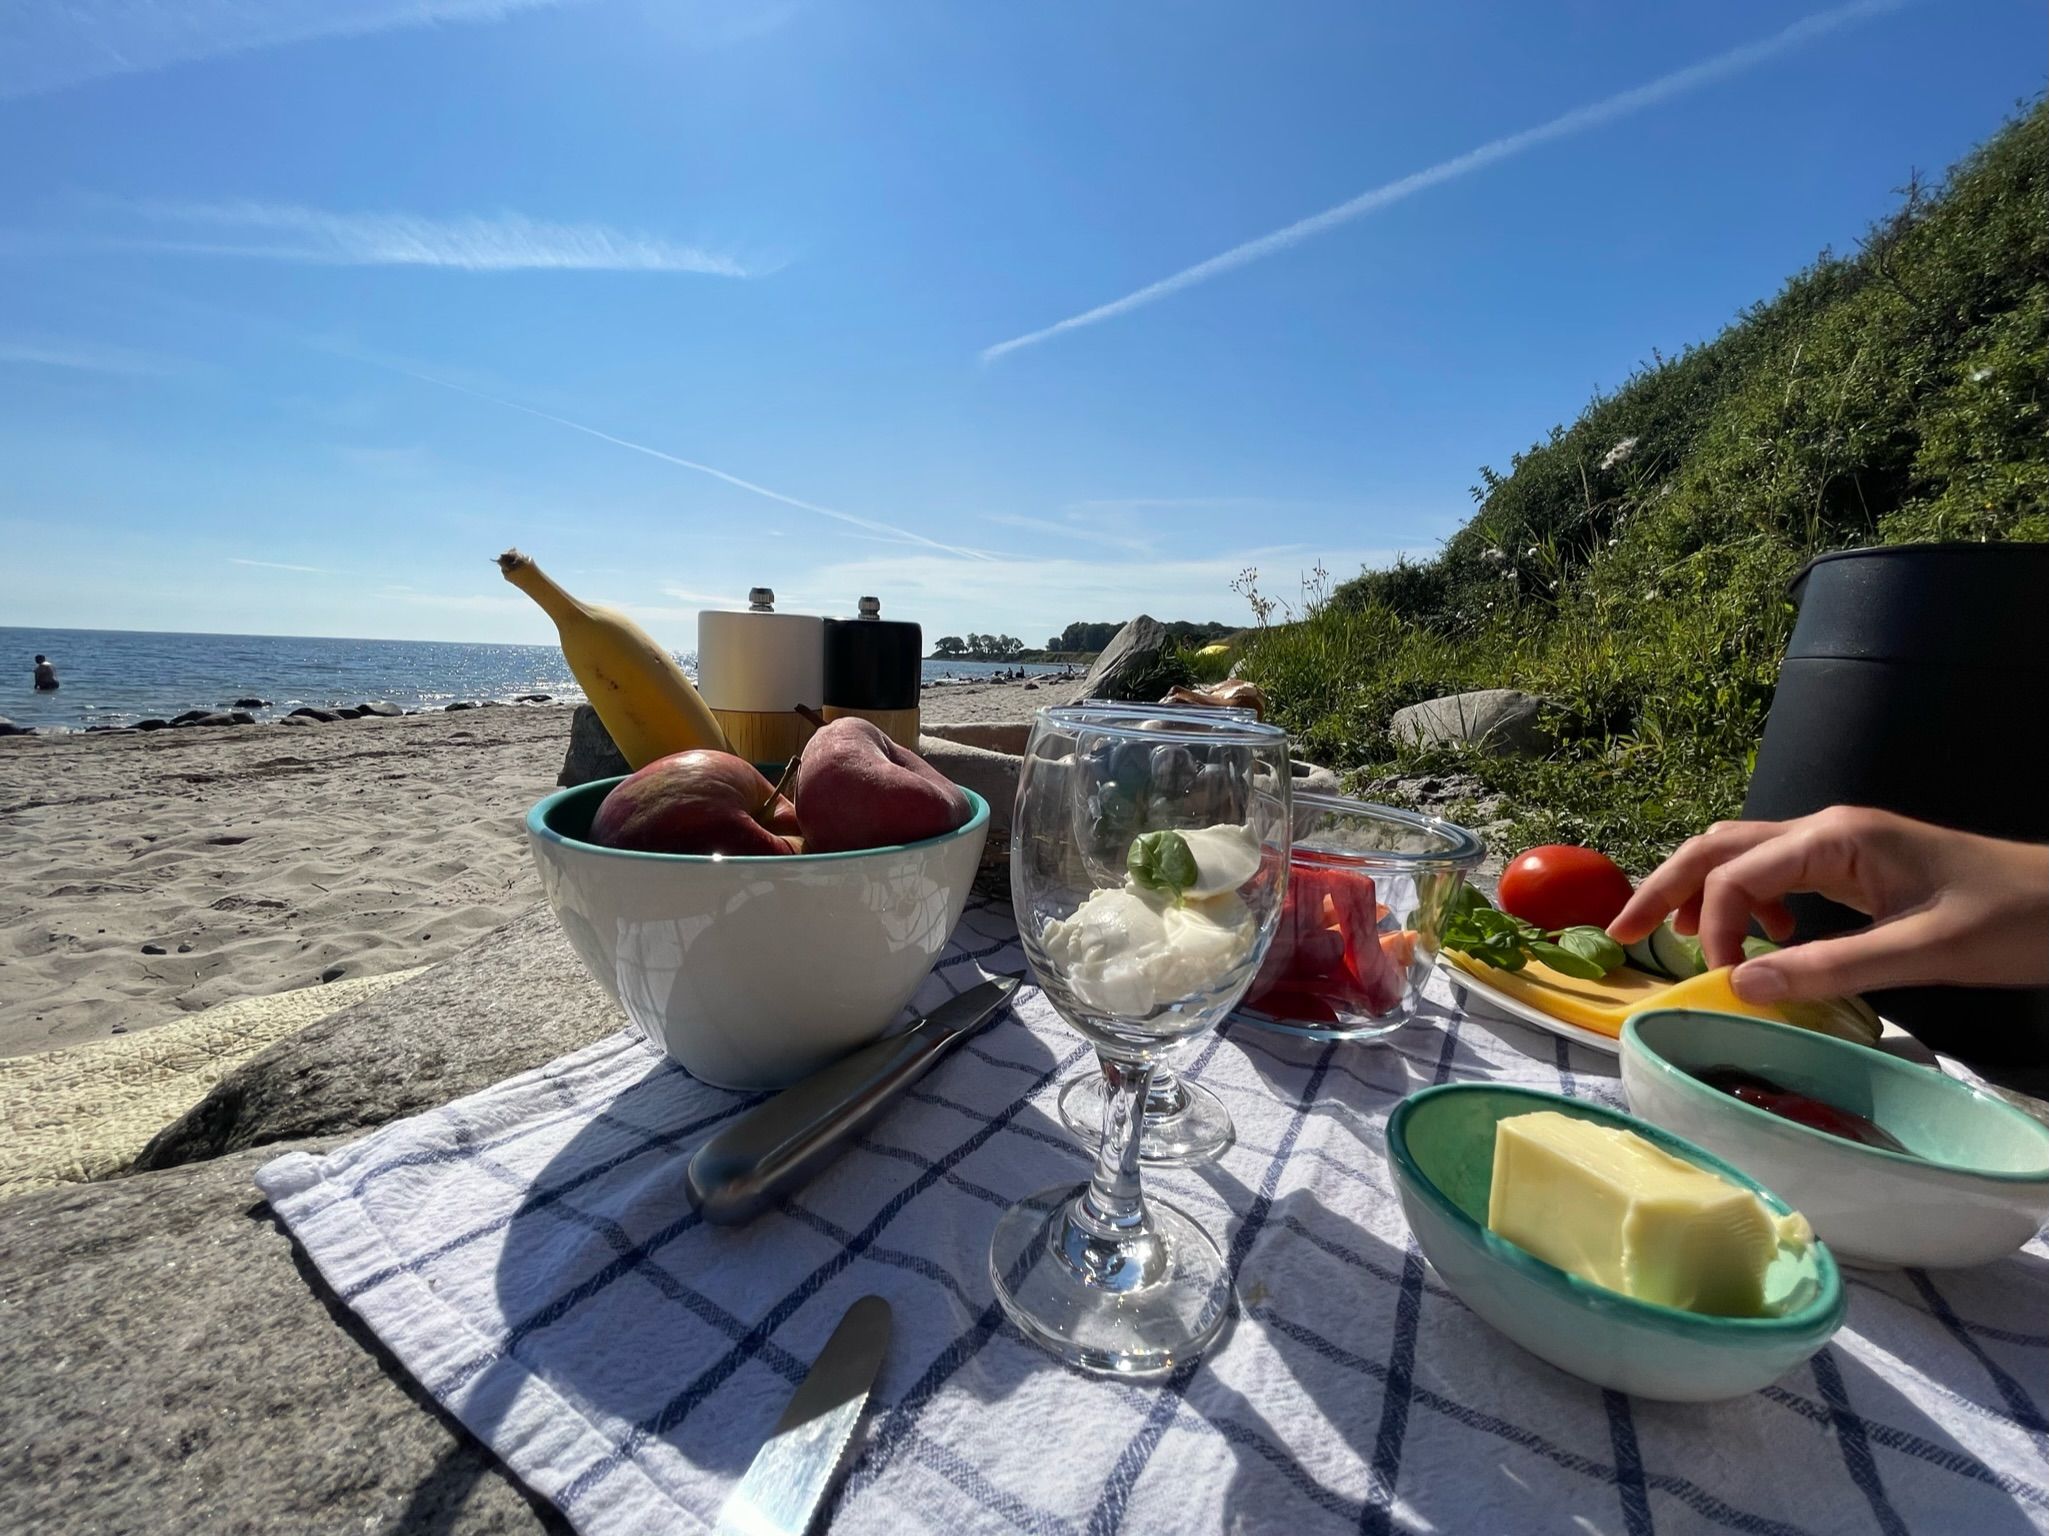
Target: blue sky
{"x":1013,"y":315}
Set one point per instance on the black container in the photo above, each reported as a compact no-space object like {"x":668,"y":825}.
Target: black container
{"x":1917,"y":681}
{"x":872,"y":663}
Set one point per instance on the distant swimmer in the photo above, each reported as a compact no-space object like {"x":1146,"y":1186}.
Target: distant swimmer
{"x":46,"y":676}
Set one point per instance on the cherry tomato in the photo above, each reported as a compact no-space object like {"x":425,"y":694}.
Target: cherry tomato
{"x":1559,"y":886}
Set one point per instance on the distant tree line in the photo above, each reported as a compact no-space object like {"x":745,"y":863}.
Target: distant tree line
{"x":1093,"y":637}
{"x":978,"y":647}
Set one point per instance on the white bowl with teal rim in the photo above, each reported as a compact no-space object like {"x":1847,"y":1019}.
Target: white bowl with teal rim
{"x":754,"y":972}
{"x":1972,"y":1187}
{"x":1440,"y":1144}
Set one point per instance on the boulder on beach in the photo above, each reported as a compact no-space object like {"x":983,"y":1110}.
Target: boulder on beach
{"x":152,"y":724}
{"x":533,"y":698}
{"x":193,"y":717}
{"x":459,"y":704}
{"x":592,"y":753}
{"x":308,"y":712}
{"x":1504,"y":720}
{"x":348,"y":712}
{"x":1137,"y":664}
{"x":9,"y":728}
{"x":381,"y":709}
{"x":252,"y":704}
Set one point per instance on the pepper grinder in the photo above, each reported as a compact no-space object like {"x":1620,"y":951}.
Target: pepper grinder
{"x":755,"y":669}
{"x":872,"y":669}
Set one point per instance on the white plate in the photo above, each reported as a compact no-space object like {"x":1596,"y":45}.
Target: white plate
{"x":1494,"y":1001}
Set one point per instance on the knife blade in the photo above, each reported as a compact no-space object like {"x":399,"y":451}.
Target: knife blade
{"x":779,"y":1145}
{"x":792,"y":1471}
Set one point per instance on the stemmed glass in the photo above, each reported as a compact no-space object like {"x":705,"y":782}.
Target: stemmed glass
{"x":1144,"y":928}
{"x":1184,"y":1122}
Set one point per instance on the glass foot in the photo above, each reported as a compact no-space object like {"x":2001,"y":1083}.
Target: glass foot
{"x":1138,"y":1304}
{"x":1184,"y":1122}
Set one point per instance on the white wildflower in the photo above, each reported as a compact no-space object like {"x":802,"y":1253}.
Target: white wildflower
{"x":1533,"y":552}
{"x":1980,"y":375}
{"x":1619,"y":454}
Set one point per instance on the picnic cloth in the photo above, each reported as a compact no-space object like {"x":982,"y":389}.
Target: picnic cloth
{"x":529,"y":1255}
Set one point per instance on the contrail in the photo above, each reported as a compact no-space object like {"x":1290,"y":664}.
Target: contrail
{"x":1579,"y":120}
{"x":888,"y":530}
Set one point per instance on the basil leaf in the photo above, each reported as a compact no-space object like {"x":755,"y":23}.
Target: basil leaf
{"x":1162,"y":861}
{"x":1592,"y":944}
{"x":1564,"y":961}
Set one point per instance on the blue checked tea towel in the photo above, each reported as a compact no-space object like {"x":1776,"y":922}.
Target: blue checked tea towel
{"x":529,"y":1255}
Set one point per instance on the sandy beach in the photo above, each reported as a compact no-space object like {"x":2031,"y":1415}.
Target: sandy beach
{"x":145,"y":877}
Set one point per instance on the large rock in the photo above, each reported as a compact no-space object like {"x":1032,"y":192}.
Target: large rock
{"x":174,"y":1365}
{"x":1504,"y":720}
{"x":592,"y":754}
{"x":308,"y":712}
{"x":513,"y":1001}
{"x":1137,"y":664}
{"x":193,"y":717}
{"x":9,"y":728}
{"x":386,"y":711}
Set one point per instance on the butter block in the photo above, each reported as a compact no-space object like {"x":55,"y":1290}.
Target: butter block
{"x":1609,"y":1206}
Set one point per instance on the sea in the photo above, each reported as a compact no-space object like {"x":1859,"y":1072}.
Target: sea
{"x":118,"y":676}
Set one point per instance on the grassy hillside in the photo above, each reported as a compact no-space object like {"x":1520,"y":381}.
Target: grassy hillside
{"x":1633,"y":565}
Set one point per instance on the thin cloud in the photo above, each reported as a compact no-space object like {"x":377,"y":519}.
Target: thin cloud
{"x":280,"y":565}
{"x":885,"y":531}
{"x":86,"y":357}
{"x":1580,"y":120}
{"x":504,"y":242}
{"x":1070,"y":531}
{"x":51,"y":45}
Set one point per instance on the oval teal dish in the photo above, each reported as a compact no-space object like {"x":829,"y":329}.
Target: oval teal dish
{"x":1440,"y":1144}
{"x":1972,"y":1186}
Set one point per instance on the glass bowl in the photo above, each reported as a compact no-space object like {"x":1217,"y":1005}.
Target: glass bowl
{"x":1368,"y":890}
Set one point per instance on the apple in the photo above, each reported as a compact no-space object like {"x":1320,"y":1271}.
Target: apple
{"x":858,"y":789}
{"x":699,"y":801}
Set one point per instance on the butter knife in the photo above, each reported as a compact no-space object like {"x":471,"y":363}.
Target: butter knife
{"x":791,"y":1473}
{"x":781,"y":1144}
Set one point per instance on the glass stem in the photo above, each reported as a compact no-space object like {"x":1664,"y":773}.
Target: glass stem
{"x":1112,"y":1206}
{"x":1164,"y":1096}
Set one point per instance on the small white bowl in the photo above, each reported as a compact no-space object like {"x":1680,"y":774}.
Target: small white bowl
{"x":754,"y":972}
{"x":1976,"y":1188}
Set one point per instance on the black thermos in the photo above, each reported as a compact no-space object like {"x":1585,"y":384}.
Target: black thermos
{"x":1915,"y":682}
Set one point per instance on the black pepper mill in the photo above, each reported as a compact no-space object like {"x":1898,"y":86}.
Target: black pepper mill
{"x":872,"y":669}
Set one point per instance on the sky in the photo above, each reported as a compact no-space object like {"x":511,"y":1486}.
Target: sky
{"x":1009,"y":315}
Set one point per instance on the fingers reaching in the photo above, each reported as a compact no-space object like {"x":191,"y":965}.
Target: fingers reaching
{"x":1675,"y":885}
{"x":1904,"y":952}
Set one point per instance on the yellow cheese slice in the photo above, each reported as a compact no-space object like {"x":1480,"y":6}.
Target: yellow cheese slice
{"x":1603,"y":1005}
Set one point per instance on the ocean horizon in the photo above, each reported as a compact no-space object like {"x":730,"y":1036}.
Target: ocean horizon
{"x":115,"y":677}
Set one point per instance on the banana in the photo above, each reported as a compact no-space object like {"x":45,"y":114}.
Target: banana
{"x":640,"y":693}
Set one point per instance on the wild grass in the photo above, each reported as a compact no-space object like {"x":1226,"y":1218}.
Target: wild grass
{"x":1633,"y":566}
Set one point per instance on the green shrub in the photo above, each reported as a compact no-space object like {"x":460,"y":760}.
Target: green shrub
{"x":1633,"y":566}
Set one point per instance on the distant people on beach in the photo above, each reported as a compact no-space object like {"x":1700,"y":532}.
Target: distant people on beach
{"x":46,"y":676}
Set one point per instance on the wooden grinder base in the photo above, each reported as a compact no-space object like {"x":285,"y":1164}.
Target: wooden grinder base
{"x":899,"y":725}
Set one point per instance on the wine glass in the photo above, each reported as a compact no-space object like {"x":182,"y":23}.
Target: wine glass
{"x":1184,"y":1122}
{"x":1143,"y":925}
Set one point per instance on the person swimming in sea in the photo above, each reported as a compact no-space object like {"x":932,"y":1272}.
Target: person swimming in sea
{"x":46,"y":676}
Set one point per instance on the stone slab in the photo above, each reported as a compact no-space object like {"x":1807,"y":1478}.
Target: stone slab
{"x":514,"y":1000}
{"x":174,"y":1365}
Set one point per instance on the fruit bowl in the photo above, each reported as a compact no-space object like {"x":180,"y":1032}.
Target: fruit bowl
{"x":753,"y":972}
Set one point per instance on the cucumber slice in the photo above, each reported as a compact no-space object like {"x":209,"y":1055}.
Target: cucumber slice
{"x":1753,"y":947}
{"x":1678,"y":956}
{"x":1642,"y":958}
